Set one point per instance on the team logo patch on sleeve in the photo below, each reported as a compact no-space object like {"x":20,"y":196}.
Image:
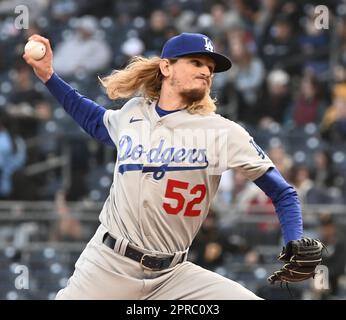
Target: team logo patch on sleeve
{"x":259,"y":150}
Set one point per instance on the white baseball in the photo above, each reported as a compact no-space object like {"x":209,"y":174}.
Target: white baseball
{"x":35,"y":49}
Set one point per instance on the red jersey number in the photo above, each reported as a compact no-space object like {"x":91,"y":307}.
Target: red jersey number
{"x":200,"y":190}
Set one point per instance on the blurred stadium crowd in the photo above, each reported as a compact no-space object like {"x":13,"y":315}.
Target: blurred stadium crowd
{"x":287,"y":86}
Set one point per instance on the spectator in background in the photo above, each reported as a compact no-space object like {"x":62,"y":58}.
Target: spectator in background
{"x":12,"y":155}
{"x":310,"y":104}
{"x":314,"y":45}
{"x":248,"y":199}
{"x":333,"y":126}
{"x":85,"y":51}
{"x":341,"y":51}
{"x":300,"y":178}
{"x":264,"y":18}
{"x":26,"y":104}
{"x":276,"y":99}
{"x":268,"y":230}
{"x":242,"y":191}
{"x":182,"y":19}
{"x":208,"y":249}
{"x":338,"y":74}
{"x":246,"y":10}
{"x":246,"y":77}
{"x":132,"y":46}
{"x":234,"y":190}
{"x":217,"y":22}
{"x":326,"y":177}
{"x":156,"y":33}
{"x":308,"y":193}
{"x":61,"y":12}
{"x":338,"y":46}
{"x":323,"y":174}
{"x":237,"y":32}
{"x":282,"y":160}
{"x":334,"y":258}
{"x":67,"y":228}
{"x":280,"y":48}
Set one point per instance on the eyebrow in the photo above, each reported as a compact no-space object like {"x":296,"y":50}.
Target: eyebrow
{"x":210,"y":64}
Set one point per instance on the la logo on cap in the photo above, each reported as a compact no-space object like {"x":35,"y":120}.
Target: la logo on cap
{"x":208,"y":45}
{"x":185,"y":44}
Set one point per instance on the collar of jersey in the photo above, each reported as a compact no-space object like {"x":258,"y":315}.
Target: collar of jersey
{"x":162,"y":112}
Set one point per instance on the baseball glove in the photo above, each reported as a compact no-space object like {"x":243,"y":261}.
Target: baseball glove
{"x":301,"y":258}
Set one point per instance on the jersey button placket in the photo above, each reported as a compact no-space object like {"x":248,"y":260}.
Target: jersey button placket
{"x":143,"y":208}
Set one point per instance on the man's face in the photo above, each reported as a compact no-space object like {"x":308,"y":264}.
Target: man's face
{"x":190,"y":77}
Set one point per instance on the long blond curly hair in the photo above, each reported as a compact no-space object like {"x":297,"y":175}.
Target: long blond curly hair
{"x":142,"y":77}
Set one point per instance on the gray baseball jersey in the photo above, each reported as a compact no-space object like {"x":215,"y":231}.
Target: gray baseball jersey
{"x":168,"y":170}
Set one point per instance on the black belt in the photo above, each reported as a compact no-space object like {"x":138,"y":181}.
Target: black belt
{"x":147,"y":261}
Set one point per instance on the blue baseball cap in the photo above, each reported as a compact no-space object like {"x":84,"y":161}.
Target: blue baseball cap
{"x":194,"y":43}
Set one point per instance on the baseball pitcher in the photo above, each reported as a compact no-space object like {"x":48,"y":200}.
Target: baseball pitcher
{"x":171,"y":151}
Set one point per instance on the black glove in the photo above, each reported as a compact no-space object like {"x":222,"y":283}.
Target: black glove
{"x":301,"y":258}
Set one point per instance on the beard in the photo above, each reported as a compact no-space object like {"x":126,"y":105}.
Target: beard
{"x":190,"y":96}
{"x":193,"y":95}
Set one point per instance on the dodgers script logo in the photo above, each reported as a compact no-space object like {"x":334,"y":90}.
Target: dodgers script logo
{"x":195,"y":159}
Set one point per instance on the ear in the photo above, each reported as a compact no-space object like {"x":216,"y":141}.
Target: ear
{"x":165,"y":67}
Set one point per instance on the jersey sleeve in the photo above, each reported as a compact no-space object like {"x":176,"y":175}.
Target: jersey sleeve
{"x":111,"y":120}
{"x":286,"y":203}
{"x":88,"y":114}
{"x":244,"y":154}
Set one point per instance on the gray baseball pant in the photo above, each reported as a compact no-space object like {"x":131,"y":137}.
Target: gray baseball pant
{"x":102,"y":273}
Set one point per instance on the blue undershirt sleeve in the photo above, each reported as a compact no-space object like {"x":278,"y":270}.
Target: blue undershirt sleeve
{"x":87,"y":113}
{"x":286,"y":203}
